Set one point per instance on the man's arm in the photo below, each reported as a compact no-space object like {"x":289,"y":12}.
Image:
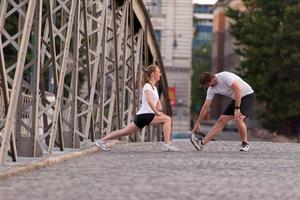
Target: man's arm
{"x":237,"y":97}
{"x":204,"y":110}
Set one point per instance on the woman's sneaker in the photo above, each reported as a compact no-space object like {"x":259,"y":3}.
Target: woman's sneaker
{"x":244,"y":147}
{"x":196,"y":141}
{"x":102,"y":145}
{"x":169,"y":147}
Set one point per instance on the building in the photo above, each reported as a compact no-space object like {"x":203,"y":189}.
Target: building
{"x":173,"y":25}
{"x":203,"y":22}
{"x":223,"y":56}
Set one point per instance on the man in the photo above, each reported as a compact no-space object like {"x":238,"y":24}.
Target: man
{"x":242,"y":95}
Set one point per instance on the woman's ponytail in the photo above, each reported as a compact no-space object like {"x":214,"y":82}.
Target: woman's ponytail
{"x":145,"y":79}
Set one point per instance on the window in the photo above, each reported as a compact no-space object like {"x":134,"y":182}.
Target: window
{"x":202,"y":8}
{"x":158,"y":37}
{"x":155,"y":7}
{"x":203,"y":35}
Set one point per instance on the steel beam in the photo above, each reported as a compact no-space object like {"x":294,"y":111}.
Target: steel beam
{"x":75,"y":74}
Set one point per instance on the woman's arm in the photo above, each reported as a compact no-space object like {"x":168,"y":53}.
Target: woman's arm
{"x":158,"y":105}
{"x":148,"y":95}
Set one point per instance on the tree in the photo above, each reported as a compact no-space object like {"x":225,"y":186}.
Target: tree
{"x":267,"y":36}
{"x":201,"y":62}
{"x":286,"y":73}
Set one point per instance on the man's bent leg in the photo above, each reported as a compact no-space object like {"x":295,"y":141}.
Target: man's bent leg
{"x":242,"y":128}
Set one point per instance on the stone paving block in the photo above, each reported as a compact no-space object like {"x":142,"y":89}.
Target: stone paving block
{"x":140,"y":171}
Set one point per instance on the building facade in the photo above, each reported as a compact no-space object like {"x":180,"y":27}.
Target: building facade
{"x":173,"y":25}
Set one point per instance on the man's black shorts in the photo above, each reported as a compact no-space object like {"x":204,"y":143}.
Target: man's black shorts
{"x":143,"y":120}
{"x":246,"y":106}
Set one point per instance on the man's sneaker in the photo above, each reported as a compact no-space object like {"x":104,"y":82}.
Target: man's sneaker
{"x":169,"y":147}
{"x":196,"y":141}
{"x":102,"y":145}
{"x":244,"y":147}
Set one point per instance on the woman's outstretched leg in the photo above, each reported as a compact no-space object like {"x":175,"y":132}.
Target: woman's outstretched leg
{"x":131,"y":128}
{"x":102,"y":143}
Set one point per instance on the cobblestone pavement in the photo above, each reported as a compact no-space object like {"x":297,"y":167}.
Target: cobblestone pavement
{"x":141,"y":171}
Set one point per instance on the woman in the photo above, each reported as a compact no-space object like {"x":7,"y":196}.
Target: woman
{"x":149,"y":114}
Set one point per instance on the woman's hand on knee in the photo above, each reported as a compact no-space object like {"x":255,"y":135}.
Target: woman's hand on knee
{"x":158,"y":113}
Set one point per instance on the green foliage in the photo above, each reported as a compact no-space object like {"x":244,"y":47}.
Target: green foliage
{"x":201,"y":62}
{"x":268,"y":38}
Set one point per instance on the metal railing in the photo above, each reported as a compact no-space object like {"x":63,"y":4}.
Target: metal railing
{"x":70,"y":70}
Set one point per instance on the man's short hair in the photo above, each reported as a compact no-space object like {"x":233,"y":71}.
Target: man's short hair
{"x":206,"y":78}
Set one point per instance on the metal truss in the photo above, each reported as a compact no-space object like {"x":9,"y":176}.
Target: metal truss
{"x":70,"y":70}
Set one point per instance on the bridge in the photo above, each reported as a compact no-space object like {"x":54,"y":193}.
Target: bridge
{"x":70,"y":71}
{"x":69,"y":74}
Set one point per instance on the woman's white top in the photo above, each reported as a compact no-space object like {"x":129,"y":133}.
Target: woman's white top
{"x":145,"y":105}
{"x":223,"y":86}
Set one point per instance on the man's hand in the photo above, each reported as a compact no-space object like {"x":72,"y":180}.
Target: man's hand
{"x":238,"y":115}
{"x":196,"y":128}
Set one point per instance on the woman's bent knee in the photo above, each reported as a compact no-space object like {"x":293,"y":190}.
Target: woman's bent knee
{"x":169,"y":119}
{"x":166,"y":119}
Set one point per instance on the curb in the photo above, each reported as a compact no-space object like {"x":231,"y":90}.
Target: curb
{"x":19,"y":170}
{"x":38,"y":164}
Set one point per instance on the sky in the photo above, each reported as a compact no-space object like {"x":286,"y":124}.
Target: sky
{"x":204,"y":1}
